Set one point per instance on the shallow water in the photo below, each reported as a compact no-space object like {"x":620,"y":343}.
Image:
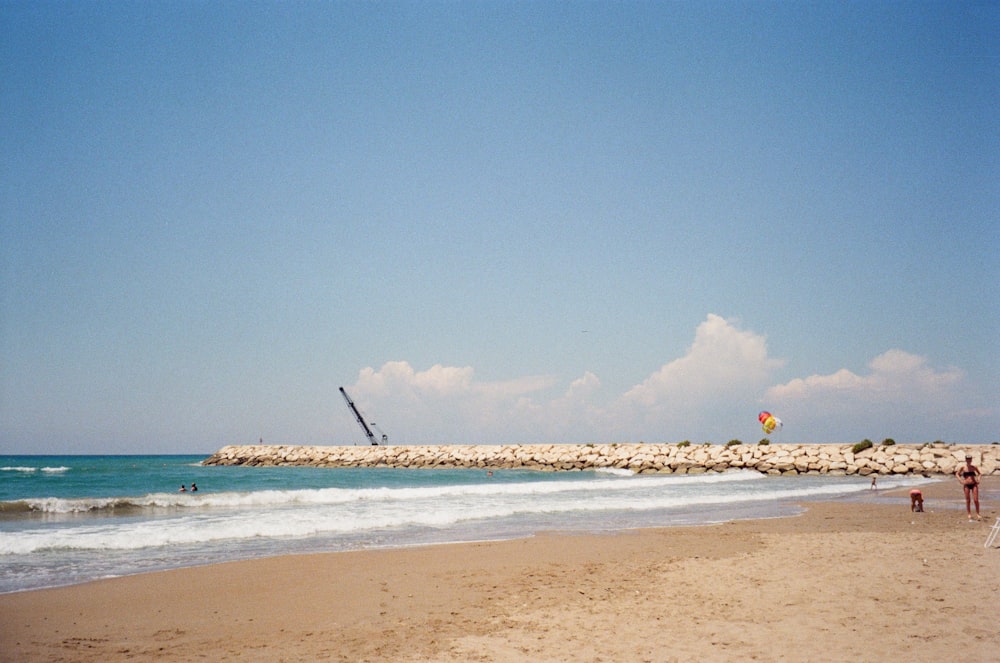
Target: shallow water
{"x":69,"y":519}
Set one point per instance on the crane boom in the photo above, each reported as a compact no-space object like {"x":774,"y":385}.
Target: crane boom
{"x":361,"y":420}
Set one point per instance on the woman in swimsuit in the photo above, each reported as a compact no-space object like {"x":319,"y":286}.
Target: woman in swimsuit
{"x":968,"y":476}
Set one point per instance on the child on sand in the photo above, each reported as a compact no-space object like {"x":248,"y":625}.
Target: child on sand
{"x":916,"y":500}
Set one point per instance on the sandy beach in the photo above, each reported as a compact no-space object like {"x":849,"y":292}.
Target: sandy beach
{"x":861,"y":580}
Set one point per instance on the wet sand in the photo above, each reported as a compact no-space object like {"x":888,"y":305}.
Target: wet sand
{"x":848,"y":580}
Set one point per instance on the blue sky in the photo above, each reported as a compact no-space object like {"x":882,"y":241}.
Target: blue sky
{"x":497,"y":222}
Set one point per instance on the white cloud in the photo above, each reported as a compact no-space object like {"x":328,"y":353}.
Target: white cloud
{"x":897,"y":377}
{"x":902,"y":396}
{"x":711,"y":393}
{"x":582,"y":388}
{"x":722,"y":361}
{"x":708,"y":394}
{"x":399,"y":379}
{"x":444,"y":404}
{"x":440,"y":382}
{"x":724,"y":372}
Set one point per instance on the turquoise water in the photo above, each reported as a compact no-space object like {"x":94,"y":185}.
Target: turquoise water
{"x":69,"y":519}
{"x":74,"y":477}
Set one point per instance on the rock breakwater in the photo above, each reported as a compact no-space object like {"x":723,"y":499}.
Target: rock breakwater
{"x":924,"y":459}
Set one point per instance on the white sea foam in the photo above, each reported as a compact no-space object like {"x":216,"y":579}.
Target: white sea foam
{"x":29,"y":470}
{"x":329,"y":512}
{"x":333,"y":496}
{"x":615,"y":471}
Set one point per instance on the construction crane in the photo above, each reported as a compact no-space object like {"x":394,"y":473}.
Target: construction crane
{"x":367,"y":428}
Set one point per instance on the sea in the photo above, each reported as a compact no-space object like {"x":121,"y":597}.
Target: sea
{"x":72,"y":519}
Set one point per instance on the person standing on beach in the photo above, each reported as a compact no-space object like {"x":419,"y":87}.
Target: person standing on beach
{"x":968,"y":475}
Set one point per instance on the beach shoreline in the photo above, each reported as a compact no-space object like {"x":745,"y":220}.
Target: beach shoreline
{"x":862,"y":579}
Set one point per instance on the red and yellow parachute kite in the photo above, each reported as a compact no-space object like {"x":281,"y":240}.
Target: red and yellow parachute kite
{"x":768,"y":422}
